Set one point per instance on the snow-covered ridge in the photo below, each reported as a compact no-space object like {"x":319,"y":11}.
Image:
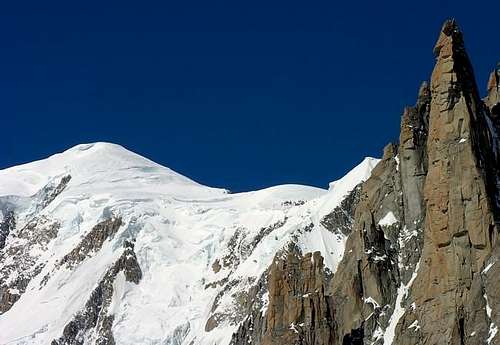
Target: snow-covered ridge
{"x":180,"y":229}
{"x":100,"y":165}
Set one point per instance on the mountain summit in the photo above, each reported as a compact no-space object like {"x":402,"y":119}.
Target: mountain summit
{"x":100,"y":164}
{"x":106,"y":246}
{"x":101,"y":246}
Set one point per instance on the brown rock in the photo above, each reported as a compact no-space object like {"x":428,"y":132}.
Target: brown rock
{"x":423,"y":239}
{"x":493,"y":98}
{"x":459,"y":213}
{"x":216,"y":266}
{"x":439,"y":189}
{"x":299,"y":310}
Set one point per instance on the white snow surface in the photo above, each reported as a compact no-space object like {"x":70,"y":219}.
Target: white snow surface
{"x":399,"y":310}
{"x":180,"y":228}
{"x":388,"y":220}
{"x":493,"y":330}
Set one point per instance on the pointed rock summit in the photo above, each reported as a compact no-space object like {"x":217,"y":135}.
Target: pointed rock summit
{"x":493,"y":98}
{"x":452,"y":75}
{"x":459,"y":230}
{"x":494,"y":87}
{"x":419,"y":259}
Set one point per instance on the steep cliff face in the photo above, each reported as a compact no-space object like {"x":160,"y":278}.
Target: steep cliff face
{"x":433,"y":288}
{"x":419,"y":264}
{"x":459,"y":229}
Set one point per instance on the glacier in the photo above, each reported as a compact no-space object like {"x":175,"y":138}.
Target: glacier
{"x":182,"y":234}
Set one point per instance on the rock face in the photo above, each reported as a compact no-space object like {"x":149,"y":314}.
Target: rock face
{"x":92,"y":242}
{"x":444,"y":196}
{"x":6,"y":225}
{"x":340,"y":220}
{"x":420,"y":263}
{"x":459,"y":229}
{"x":299,"y":310}
{"x":493,"y":98}
{"x":22,"y":259}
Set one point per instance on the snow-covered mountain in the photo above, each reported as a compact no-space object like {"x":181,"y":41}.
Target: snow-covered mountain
{"x":99,"y":246}
{"x":102,"y":245}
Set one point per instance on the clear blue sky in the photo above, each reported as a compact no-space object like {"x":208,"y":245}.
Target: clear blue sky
{"x":236,"y":94}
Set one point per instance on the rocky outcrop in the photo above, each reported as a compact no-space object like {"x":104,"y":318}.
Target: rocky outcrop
{"x":430,"y":290}
{"x":493,"y":98}
{"x":459,"y":227}
{"x":92,"y":242}
{"x":7,"y":224}
{"x":341,"y":219}
{"x":49,"y":192}
{"x":298,"y":309}
{"x":94,"y":321}
{"x":19,"y":259}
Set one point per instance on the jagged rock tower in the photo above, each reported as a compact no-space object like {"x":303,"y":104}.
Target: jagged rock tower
{"x":420,"y":265}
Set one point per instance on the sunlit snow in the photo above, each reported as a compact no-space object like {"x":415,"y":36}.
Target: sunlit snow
{"x":180,"y":227}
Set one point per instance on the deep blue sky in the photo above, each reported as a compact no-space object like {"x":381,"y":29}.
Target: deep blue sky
{"x":237,"y":94}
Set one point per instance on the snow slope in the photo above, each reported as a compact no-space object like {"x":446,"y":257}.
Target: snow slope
{"x":180,"y":229}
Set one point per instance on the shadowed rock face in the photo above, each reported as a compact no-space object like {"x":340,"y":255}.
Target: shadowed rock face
{"x":420,"y":264}
{"x":365,"y":285}
{"x":6,"y":226}
{"x":48,"y":193}
{"x":342,"y":217}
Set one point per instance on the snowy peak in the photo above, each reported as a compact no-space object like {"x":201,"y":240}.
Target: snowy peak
{"x":101,"y":166}
{"x":101,"y":241}
{"x":361,"y":172}
{"x":111,"y":168}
